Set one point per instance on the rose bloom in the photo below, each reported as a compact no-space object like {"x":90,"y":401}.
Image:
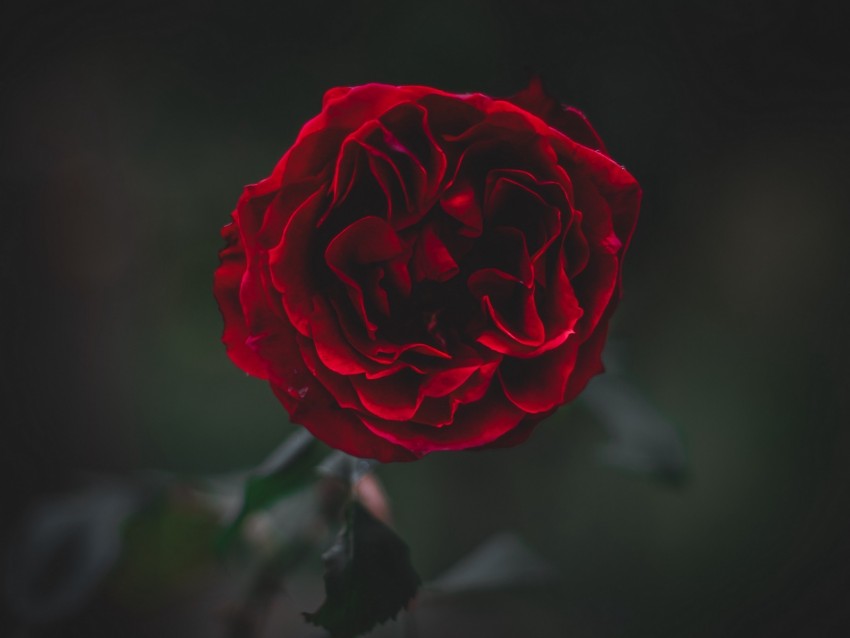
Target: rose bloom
{"x":426,"y":271}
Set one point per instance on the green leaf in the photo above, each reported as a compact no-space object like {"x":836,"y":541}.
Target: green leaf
{"x":166,"y":544}
{"x":290,"y":467}
{"x":368,"y":577}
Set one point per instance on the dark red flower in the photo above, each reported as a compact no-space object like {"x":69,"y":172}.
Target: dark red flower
{"x":426,"y":271}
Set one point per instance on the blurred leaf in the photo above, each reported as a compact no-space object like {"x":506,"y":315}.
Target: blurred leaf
{"x":290,"y":467}
{"x":640,"y":439}
{"x":66,"y":548}
{"x":501,"y":562}
{"x":165,"y":544}
{"x":368,"y":577}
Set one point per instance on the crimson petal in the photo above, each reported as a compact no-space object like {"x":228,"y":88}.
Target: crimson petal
{"x":369,"y":240}
{"x":342,"y":429}
{"x":396,"y":397}
{"x":226,"y":285}
{"x":474,"y":425}
{"x":431,"y":259}
{"x":537,"y":385}
{"x":290,"y":263}
{"x":568,"y":120}
{"x":510,"y":203}
{"x":460,"y":202}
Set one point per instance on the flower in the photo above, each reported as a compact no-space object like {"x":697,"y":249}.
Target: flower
{"x":426,"y":271}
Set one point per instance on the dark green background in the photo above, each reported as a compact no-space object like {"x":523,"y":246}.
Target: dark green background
{"x":129,"y":131}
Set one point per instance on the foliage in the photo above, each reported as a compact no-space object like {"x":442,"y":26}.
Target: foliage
{"x":368,"y":577}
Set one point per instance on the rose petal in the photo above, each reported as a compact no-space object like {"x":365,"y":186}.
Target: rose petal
{"x":334,"y":348}
{"x":398,"y":275}
{"x":474,"y":425}
{"x":378,"y":349}
{"x":617,"y":187}
{"x":514,"y":323}
{"x":226,"y":285}
{"x":431,"y":259}
{"x":340,"y":428}
{"x":348,"y":108}
{"x":520,"y":433}
{"x":560,"y":310}
{"x":503,"y":254}
{"x":435,"y":412}
{"x":250,"y":212}
{"x":537,"y":385}
{"x":368,"y":241}
{"x":568,"y":120}
{"x":286,"y":201}
{"x":440,"y":384}
{"x":460,"y":202}
{"x":313,"y":155}
{"x":478,"y":384}
{"x":524,"y":328}
{"x":287,"y":371}
{"x":399,"y":175}
{"x":396,"y":397}
{"x":509,"y":203}
{"x":449,"y":115}
{"x":409,"y":125}
{"x":290,"y":263}
{"x":576,"y":250}
{"x":595,"y":288}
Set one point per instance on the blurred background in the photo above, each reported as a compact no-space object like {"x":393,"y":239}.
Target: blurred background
{"x":128,"y":131}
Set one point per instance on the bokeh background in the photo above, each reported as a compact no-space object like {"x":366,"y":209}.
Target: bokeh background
{"x":128,"y":131}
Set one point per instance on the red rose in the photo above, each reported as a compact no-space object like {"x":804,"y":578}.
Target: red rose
{"x":426,"y":271}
